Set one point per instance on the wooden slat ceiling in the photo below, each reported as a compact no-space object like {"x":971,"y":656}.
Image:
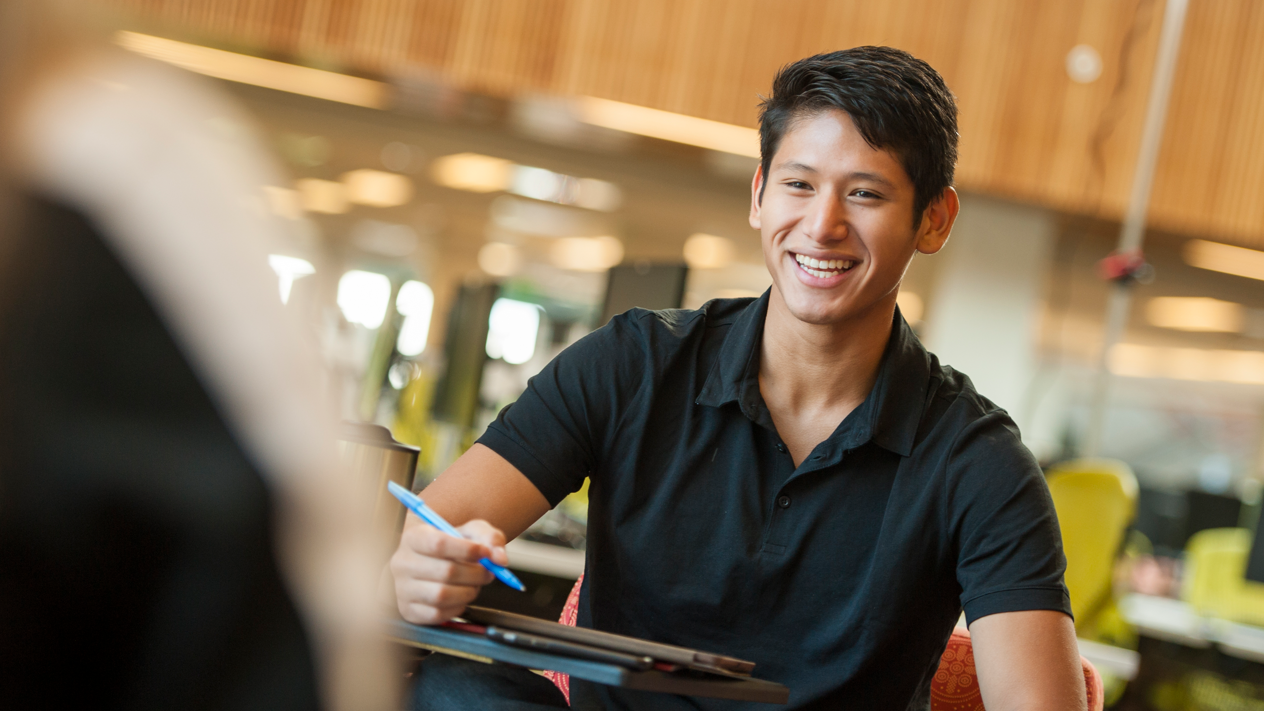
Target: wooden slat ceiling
{"x":1027,"y":131}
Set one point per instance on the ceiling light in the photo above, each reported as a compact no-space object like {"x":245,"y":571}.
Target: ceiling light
{"x":325,"y":196}
{"x":473,"y":172}
{"x":668,"y":126}
{"x":541,"y":184}
{"x":377,"y":188}
{"x":415,"y":302}
{"x":587,"y":254}
{"x":1196,"y":314}
{"x":704,"y":251}
{"x":1226,"y":366}
{"x":1083,"y":64}
{"x":288,"y":270}
{"x":363,"y":297}
{"x":499,"y":259}
{"x":244,"y":69}
{"x":1225,"y":258}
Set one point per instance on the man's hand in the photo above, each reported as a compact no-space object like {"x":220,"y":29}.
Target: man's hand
{"x":1028,"y":660}
{"x":437,"y":575}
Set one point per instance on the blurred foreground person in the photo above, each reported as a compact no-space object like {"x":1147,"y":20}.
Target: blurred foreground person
{"x":173,"y":531}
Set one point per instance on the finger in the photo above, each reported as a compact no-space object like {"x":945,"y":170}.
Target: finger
{"x":419,"y":567}
{"x":432,"y":542}
{"x":490,"y":536}
{"x":434,"y":594}
{"x":419,"y":614}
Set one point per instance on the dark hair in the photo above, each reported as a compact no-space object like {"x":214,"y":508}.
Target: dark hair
{"x":898,"y":102}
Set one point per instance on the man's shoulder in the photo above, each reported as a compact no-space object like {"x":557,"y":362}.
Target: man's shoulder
{"x":955,"y":408}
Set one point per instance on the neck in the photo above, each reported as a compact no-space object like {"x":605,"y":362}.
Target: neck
{"x":822,"y":367}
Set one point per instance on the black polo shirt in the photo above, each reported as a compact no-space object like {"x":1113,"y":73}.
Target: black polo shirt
{"x":841,"y":578}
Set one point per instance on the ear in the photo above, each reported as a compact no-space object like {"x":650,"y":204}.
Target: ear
{"x":757,"y":184}
{"x":937,"y":221}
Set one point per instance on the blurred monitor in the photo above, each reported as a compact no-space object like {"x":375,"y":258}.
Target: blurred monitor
{"x":649,"y":286}
{"x":1255,"y":561}
{"x":1211,"y":511}
{"x":1161,"y":517}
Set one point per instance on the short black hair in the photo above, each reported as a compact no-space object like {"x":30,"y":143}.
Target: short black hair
{"x":898,"y":102}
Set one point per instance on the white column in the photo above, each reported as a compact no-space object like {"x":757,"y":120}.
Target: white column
{"x":983,"y":315}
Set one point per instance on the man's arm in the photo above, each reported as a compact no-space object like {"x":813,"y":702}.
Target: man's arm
{"x":490,"y":501}
{"x":1028,"y":660}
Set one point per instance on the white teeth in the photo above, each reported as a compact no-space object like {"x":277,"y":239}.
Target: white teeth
{"x":823,"y":268}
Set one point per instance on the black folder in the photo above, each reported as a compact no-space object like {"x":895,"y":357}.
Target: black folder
{"x":692,"y":680}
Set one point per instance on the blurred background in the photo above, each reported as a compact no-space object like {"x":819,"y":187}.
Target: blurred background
{"x":472,"y":186}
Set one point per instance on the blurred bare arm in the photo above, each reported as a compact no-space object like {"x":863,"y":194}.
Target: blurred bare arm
{"x":1027,"y":661}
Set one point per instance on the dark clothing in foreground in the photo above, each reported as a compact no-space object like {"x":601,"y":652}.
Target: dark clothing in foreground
{"x":136,"y":545}
{"x":446,"y":683}
{"x":842,"y":577}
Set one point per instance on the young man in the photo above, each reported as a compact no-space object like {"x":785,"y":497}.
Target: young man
{"x":792,"y":479}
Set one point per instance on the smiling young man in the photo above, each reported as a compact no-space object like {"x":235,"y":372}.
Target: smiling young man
{"x":792,"y":479}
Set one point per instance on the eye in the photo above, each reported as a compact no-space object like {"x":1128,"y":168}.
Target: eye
{"x":798,"y":185}
{"x":867,"y":194}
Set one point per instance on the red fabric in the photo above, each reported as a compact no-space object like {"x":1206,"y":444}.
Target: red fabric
{"x":569,"y":614}
{"x":954,"y":688}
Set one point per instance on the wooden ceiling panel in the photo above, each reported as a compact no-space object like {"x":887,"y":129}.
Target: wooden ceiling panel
{"x":1027,"y":131}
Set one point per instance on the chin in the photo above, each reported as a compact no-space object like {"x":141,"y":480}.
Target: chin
{"x":815,"y":312}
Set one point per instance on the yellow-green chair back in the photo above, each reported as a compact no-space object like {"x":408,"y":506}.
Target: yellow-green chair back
{"x":1096,"y":499}
{"x":1215,"y":569}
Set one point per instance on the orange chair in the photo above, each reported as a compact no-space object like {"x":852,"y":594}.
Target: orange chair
{"x":954,"y":688}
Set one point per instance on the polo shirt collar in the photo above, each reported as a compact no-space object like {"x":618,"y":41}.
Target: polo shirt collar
{"x":890,"y":413}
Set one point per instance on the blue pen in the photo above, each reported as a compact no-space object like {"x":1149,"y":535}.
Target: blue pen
{"x":427,"y":514}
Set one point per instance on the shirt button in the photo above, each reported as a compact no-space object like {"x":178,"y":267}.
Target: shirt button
{"x":783,"y":501}
{"x":781,"y":448}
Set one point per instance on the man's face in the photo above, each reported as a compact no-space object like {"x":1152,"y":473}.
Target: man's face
{"x":836,"y":221}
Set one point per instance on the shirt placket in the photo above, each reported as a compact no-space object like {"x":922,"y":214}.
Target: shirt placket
{"x":786,"y":506}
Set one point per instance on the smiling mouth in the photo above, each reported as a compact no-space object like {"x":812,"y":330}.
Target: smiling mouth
{"x":824,"y":268}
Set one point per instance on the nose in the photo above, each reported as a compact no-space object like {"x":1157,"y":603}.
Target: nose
{"x":826,"y":219}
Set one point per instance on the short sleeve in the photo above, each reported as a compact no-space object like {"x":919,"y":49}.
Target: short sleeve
{"x":557,"y":429}
{"x":1009,"y":554}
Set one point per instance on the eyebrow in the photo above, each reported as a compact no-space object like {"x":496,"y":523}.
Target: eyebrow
{"x":803,"y":167}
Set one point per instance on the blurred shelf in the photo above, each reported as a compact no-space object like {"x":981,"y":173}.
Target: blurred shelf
{"x":546,"y":559}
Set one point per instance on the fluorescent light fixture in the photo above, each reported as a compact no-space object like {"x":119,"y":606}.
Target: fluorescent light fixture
{"x":910,"y":306}
{"x":512,"y":330}
{"x":541,"y":184}
{"x":1225,"y":366}
{"x":325,"y":196}
{"x":704,"y":251}
{"x":1225,"y":258}
{"x":245,"y":69}
{"x":587,"y":254}
{"x":415,"y":302}
{"x":1196,"y":313}
{"x":486,"y":174}
{"x":473,"y":172}
{"x":377,"y":188}
{"x":668,"y":126}
{"x":289,"y":270}
{"x":499,"y":259}
{"x":363,"y":297}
